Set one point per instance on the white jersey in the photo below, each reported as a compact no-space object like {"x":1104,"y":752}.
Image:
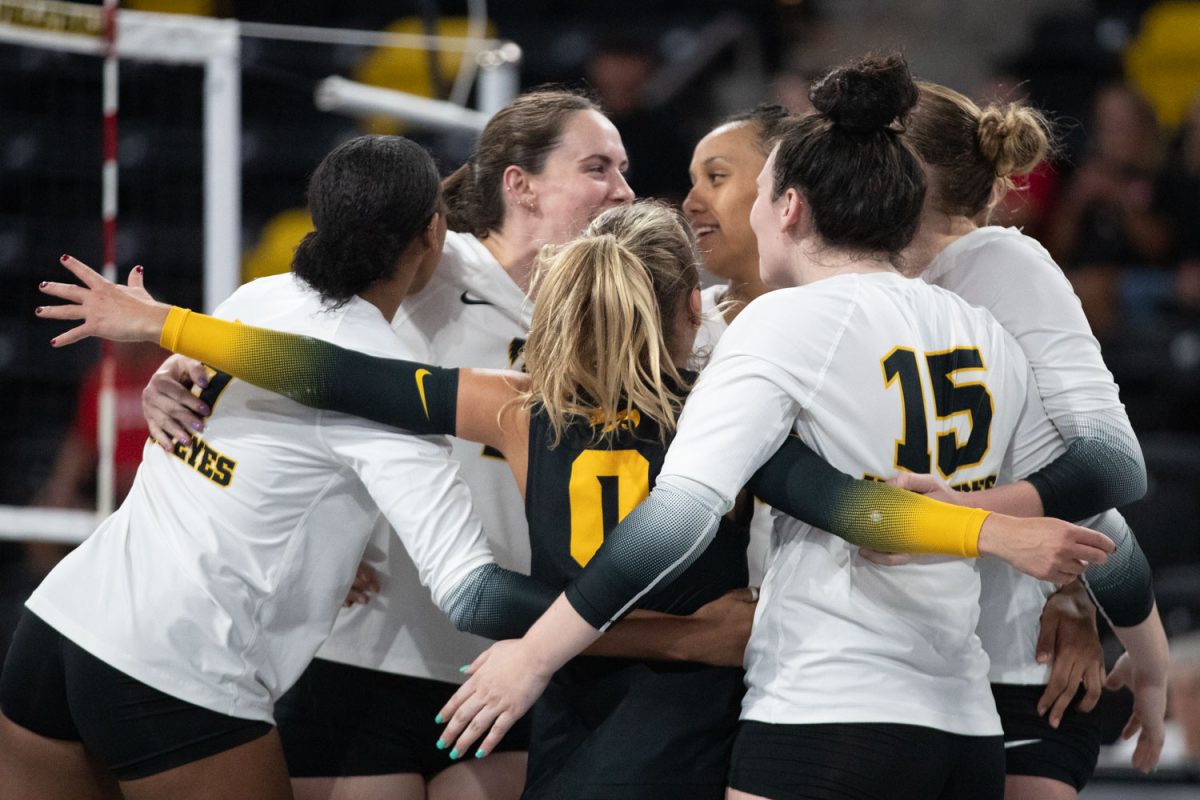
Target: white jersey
{"x":712,"y":328}
{"x":222,"y":572}
{"x":1014,"y":277}
{"x":876,"y":373}
{"x":471,"y":314}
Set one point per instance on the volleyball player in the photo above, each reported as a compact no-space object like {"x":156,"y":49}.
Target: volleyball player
{"x":634,"y":271}
{"x":152,"y":655}
{"x":543,"y":167}
{"x":844,"y":198}
{"x":1092,"y":461}
{"x":724,"y":166}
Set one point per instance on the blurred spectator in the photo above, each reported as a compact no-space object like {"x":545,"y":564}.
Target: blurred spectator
{"x":1109,"y":226}
{"x":618,"y":72}
{"x":1108,"y":214}
{"x":72,"y":478}
{"x":1181,"y":202}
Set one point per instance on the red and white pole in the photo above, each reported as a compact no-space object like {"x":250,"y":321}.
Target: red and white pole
{"x":106,"y":427}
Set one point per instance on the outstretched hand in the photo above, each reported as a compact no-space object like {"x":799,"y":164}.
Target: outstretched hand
{"x":109,"y":311}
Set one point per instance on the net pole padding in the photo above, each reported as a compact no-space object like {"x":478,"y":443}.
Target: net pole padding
{"x":222,"y":165}
{"x":106,"y":439}
{"x":336,"y":94}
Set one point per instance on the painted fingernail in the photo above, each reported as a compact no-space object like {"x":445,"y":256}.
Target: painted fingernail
{"x":440,"y":744}
{"x":38,"y":310}
{"x":196,"y":426}
{"x":138,"y":269}
{"x":480,"y":753}
{"x":204,"y":411}
{"x":63,"y":257}
{"x":454,"y":755}
{"x":54,"y":342}
{"x":43,"y":284}
{"x":464,"y":668}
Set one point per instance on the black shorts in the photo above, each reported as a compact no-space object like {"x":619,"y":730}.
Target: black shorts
{"x":865,"y":761}
{"x":54,"y":688}
{"x":631,"y":730}
{"x":343,"y":720}
{"x":1032,"y":747}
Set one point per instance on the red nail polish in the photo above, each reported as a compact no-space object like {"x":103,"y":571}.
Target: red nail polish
{"x":137,"y":269}
{"x":53,"y":342}
{"x":38,"y":310}
{"x":43,"y":284}
{"x":63,"y":257}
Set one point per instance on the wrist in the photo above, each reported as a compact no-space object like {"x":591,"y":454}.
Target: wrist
{"x":992,"y":535}
{"x":155,"y":319}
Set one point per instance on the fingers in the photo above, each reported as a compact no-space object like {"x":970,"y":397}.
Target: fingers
{"x":86,"y":275}
{"x":1148,"y":750}
{"x":1093,"y":684}
{"x":194,"y":371}
{"x":460,"y":710}
{"x":747,"y":594}
{"x":478,"y":721}
{"x":64,"y":291}
{"x":1096,"y":541}
{"x":76,"y":334}
{"x":1132,"y":727}
{"x":1066,"y":696}
{"x":500,"y":727}
{"x":367,"y":578}
{"x":1047,"y":638}
{"x":136,"y":277}
{"x":356,"y":596}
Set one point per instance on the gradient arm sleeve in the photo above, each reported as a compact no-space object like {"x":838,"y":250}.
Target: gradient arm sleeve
{"x":1121,"y":587}
{"x":416,"y":397}
{"x":1102,"y":468}
{"x":497,"y":603}
{"x":803,"y":485}
{"x":657,"y":541}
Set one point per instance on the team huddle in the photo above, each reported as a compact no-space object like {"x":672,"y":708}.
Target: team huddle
{"x":792,"y":536}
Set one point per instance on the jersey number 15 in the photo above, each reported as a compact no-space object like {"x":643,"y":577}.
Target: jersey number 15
{"x":949,"y":399}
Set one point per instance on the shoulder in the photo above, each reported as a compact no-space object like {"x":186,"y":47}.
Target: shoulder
{"x":995,"y":256}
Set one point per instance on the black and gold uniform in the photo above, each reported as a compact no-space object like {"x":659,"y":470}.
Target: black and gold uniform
{"x":620,"y":728}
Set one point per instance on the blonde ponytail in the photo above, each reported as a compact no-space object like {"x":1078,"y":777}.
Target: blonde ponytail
{"x":599,"y":346}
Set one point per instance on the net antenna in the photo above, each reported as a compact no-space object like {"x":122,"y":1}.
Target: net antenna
{"x":113,"y":35}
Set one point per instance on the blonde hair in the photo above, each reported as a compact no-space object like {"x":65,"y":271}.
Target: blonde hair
{"x":599,"y":344}
{"x":973,"y":151}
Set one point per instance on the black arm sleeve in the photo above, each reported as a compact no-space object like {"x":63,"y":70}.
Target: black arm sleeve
{"x":497,"y":603}
{"x":1121,"y":587}
{"x":1097,"y":472}
{"x":417,"y":397}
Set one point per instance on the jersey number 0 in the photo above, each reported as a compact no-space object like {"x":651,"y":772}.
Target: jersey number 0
{"x":605,"y":486}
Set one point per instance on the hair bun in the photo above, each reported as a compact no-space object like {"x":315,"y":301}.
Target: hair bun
{"x":1013,"y":138}
{"x":867,"y":94}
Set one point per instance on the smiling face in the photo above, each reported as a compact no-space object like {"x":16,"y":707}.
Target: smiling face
{"x":583,"y":176}
{"x":724,"y":166}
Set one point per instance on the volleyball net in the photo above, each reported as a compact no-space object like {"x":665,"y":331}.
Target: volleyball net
{"x":212,"y":111}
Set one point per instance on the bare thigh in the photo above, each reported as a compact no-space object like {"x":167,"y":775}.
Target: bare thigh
{"x":49,"y":769}
{"x":734,"y":794}
{"x":254,"y":769}
{"x":1032,"y":787}
{"x":500,"y":776}
{"x":401,"y":786}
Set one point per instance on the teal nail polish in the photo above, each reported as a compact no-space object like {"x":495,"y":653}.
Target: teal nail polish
{"x":441,"y":745}
{"x":480,"y":753}
{"x":464,"y":668}
{"x":453,"y":755}
{"x":438,"y":719}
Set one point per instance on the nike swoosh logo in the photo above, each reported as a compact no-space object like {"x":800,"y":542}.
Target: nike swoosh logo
{"x":1019,"y":743}
{"x":421,"y":375}
{"x":471,"y":300}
